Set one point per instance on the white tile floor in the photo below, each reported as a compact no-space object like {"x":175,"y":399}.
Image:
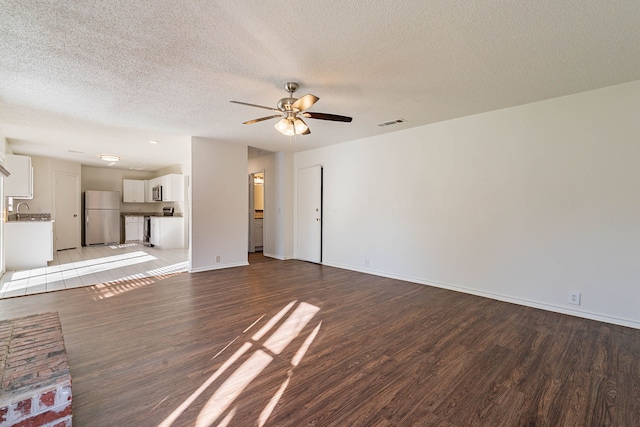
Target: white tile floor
{"x":127,"y":264}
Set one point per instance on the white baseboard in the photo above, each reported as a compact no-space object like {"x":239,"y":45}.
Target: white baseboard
{"x":280,"y":257}
{"x":218,"y":267}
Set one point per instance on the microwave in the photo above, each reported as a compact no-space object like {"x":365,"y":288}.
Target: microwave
{"x":156,"y":193}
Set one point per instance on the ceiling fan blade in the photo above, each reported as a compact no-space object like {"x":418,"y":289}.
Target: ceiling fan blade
{"x":250,"y":122}
{"x":254,"y":105}
{"x":305,"y":102}
{"x":324,"y":116}
{"x":306,"y":132}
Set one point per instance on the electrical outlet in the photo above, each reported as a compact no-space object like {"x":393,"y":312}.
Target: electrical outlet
{"x":217,"y":258}
{"x":574,"y":297}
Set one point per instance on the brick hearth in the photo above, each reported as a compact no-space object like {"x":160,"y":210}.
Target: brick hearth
{"x":36,"y":385}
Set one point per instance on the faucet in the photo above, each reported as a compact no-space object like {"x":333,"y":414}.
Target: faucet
{"x":18,"y":209}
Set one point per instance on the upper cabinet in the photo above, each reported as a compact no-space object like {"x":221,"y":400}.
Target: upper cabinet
{"x":133,"y":191}
{"x":20,"y":183}
{"x":138,"y":191}
{"x":148,"y":190}
{"x":172,"y":187}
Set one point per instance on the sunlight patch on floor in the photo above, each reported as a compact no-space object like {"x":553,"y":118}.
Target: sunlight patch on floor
{"x":136,"y":281}
{"x":169,"y":270}
{"x":217,"y":406}
{"x":22,"y":279}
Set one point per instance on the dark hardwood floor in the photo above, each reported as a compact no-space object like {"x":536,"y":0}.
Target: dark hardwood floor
{"x":289,"y":343}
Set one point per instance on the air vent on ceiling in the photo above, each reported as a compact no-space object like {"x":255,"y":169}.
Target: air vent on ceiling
{"x":392,"y":122}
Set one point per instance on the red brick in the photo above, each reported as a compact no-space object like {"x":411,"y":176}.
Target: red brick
{"x":44,"y":418}
{"x":32,"y":349}
{"x":24,"y":407}
{"x":48,"y":399}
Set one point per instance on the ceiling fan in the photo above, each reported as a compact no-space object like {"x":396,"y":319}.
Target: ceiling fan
{"x":291,"y":110}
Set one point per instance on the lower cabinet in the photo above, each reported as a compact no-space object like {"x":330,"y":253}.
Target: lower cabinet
{"x":28,"y":244}
{"x":167,"y":232}
{"x":133,"y":228}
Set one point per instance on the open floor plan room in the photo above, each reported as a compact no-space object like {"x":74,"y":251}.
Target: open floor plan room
{"x":289,"y":343}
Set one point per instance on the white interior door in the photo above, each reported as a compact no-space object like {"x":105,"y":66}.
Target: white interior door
{"x":309,"y":217}
{"x":67,"y":211}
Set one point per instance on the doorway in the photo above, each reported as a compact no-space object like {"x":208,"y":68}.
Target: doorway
{"x":256,"y":211}
{"x":66,"y":211}
{"x":309,"y":215}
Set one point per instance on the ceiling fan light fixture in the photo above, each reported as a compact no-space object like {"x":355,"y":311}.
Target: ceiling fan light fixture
{"x":290,"y":127}
{"x":285,"y":127}
{"x":300,"y":126}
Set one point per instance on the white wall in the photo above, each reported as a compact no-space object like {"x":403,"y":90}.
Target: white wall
{"x":284,"y":200}
{"x":3,"y":149}
{"x":523,"y":204}
{"x":219,"y":196}
{"x":278,"y":206}
{"x":3,"y":146}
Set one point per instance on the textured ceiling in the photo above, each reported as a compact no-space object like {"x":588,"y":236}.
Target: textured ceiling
{"x":106,"y":77}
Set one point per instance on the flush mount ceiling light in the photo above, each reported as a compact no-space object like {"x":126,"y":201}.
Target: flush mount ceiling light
{"x":153,"y":142}
{"x":109,"y":158}
{"x":289,"y":110}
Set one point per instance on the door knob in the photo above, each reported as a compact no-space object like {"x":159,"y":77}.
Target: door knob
{"x":75,"y":215}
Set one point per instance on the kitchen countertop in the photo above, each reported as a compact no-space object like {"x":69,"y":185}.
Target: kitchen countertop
{"x":179,"y":215}
{"x":26,"y":217}
{"x":30,"y":220}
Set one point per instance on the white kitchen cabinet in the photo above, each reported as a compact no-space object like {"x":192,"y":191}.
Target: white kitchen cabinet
{"x":133,"y":228}
{"x":148,"y":193}
{"x":28,"y":244}
{"x":20,"y":183}
{"x":167,"y":232}
{"x":172,"y":187}
{"x":133,"y":191}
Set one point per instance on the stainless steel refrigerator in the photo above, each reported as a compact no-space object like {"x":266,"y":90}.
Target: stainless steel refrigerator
{"x":101,"y":217}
